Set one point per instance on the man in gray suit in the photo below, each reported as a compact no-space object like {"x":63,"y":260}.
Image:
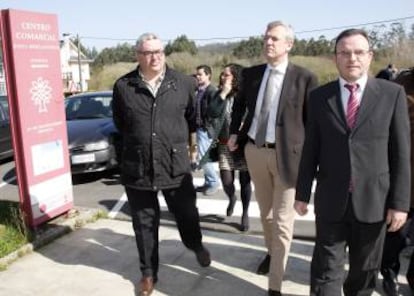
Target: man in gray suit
{"x":271,"y":104}
{"x":357,"y":146}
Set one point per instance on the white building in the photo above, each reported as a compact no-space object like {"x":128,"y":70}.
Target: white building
{"x":73,"y":69}
{"x":3,"y":90}
{"x":74,"y":66}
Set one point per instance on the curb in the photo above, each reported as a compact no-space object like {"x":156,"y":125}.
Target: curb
{"x":75,"y":219}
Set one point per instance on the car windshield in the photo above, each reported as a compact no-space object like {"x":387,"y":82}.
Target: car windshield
{"x":4,"y":108}
{"x":88,"y":107}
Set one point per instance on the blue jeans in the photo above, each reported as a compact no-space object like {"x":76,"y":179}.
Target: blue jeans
{"x":211,"y":179}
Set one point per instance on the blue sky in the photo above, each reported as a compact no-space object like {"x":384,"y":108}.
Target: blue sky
{"x":107,"y":23}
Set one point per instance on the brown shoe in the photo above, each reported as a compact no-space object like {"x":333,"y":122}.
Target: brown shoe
{"x":146,"y":286}
{"x":203,"y":257}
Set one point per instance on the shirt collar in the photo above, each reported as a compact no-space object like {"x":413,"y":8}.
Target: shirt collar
{"x":280,"y":68}
{"x":362,"y":82}
{"x":203,"y":87}
{"x":160,"y":78}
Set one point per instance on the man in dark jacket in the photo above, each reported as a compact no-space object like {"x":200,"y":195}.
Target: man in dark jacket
{"x":388,"y":73}
{"x":153,"y":109}
{"x":357,"y":146}
{"x":396,"y":241}
{"x":205,"y":91}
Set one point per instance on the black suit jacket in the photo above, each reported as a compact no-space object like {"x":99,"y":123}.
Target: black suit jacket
{"x":376,"y":152}
{"x":290,"y":120}
{"x":205,"y":101}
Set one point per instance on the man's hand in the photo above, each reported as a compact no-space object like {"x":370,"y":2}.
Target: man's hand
{"x":301,"y":207}
{"x":395,"y":219}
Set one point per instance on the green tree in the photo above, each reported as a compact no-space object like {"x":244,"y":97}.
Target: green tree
{"x":121,"y":53}
{"x":251,"y":48}
{"x":181,"y":44}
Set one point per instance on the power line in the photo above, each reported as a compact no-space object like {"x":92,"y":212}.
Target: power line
{"x":246,"y":37}
{"x":357,"y":25}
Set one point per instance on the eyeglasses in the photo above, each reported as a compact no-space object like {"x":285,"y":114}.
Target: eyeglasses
{"x":154,"y":53}
{"x":358,"y":53}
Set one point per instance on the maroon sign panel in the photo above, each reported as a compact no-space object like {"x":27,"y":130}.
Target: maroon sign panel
{"x":32,"y":63}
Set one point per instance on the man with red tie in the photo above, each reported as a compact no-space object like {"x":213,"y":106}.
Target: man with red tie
{"x":357,"y":146}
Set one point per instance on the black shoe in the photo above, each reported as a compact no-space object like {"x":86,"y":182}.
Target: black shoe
{"x":230,"y":207}
{"x":264,"y":265}
{"x":244,"y":226}
{"x":410,"y":281}
{"x":274,"y":293}
{"x":389,"y":283}
{"x":203,"y":257}
{"x":201,"y":188}
{"x":410,"y":274}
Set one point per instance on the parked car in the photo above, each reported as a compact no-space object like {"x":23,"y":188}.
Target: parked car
{"x":6,"y":147}
{"x":92,"y":137}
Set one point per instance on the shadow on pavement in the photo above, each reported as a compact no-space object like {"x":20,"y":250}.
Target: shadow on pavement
{"x":235,"y":258}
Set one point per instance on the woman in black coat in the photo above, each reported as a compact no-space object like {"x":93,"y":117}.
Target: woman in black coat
{"x":219,"y":110}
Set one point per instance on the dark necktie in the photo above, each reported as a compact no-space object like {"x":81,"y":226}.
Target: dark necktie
{"x":270,"y":90}
{"x":352,"y":106}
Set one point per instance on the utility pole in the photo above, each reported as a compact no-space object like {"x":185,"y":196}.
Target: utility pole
{"x":79,"y":64}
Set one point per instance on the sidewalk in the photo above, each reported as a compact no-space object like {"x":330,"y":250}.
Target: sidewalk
{"x":101,"y":259}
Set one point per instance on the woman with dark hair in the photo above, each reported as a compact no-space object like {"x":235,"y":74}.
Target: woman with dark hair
{"x":219,"y":111}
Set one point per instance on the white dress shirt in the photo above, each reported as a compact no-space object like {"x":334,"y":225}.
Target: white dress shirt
{"x":271,"y":124}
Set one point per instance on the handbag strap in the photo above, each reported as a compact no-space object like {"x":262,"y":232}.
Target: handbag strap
{"x":214,"y":140}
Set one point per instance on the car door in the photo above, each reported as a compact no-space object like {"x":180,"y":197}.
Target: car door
{"x":6,"y":148}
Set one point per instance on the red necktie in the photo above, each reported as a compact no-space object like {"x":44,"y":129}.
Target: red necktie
{"x":351,"y":114}
{"x":353,"y":105}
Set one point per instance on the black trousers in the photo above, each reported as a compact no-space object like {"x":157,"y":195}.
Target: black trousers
{"x":145,"y":212}
{"x":395,"y":242}
{"x":364,"y":242}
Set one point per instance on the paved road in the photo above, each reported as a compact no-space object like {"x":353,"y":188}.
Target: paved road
{"x":104,"y":191}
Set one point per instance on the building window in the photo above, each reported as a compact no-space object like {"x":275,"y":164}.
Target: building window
{"x":67,"y":75}
{"x":2,"y":88}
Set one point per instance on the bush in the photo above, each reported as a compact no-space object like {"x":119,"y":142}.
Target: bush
{"x":13,"y":231}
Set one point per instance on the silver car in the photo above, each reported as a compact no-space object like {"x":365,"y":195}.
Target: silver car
{"x":92,"y":137}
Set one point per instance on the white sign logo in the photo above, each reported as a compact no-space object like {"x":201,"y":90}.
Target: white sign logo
{"x":41,"y":93}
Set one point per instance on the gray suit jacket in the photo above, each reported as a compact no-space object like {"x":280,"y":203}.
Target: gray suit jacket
{"x":290,"y":119}
{"x":376,"y":152}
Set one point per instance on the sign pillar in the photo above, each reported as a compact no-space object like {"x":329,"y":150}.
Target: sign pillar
{"x":31,"y":54}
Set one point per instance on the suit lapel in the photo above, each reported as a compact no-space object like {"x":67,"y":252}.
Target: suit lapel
{"x":256,"y":79}
{"x":335,"y":104}
{"x":367,"y":102}
{"x":287,"y":85}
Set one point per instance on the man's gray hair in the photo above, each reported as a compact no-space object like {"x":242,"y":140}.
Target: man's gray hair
{"x":290,"y":35}
{"x":145,"y":37}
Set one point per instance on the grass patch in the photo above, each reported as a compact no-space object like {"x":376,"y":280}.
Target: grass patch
{"x":13,"y":233}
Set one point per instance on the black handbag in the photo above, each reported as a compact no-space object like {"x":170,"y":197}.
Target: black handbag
{"x":212,"y":154}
